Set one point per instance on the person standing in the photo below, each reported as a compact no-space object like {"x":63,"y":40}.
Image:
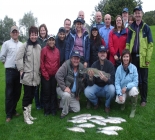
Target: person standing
{"x":67,"y":26}
{"x":12,"y":86}
{"x":50,"y":62}
{"x":98,"y":20}
{"x":125,"y":14}
{"x":140,"y":44}
{"x":28,"y":63}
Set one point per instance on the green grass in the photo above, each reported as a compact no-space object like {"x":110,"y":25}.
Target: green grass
{"x":142,"y":127}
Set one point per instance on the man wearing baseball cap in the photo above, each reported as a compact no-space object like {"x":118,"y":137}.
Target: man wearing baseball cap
{"x":101,"y":86}
{"x":70,"y":84}
{"x":125,"y":14}
{"x":13,"y":86}
{"x":140,"y":44}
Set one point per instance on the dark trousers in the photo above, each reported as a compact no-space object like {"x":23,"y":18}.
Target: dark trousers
{"x":28,"y":95}
{"x":12,"y":91}
{"x":143,"y":78}
{"x":49,"y":95}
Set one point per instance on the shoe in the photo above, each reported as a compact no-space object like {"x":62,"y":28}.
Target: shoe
{"x":96,"y":107}
{"x":26,"y":116}
{"x":16,"y":114}
{"x":107,"y":109}
{"x":143,"y":104}
{"x":62,"y":116}
{"x":29,"y":113}
{"x":38,"y":108}
{"x":8,"y":119}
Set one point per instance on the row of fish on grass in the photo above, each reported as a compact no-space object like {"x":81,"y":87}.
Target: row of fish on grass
{"x":88,"y":121}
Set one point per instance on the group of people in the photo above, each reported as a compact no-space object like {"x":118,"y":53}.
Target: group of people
{"x":52,"y":68}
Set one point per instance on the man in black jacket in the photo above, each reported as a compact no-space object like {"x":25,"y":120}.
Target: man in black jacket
{"x":101,"y":86}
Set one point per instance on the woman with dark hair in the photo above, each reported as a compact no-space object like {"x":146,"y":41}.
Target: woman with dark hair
{"x":28,"y":63}
{"x":95,"y":42}
{"x":42,"y":40}
{"x":126,"y":82}
{"x":117,"y":41}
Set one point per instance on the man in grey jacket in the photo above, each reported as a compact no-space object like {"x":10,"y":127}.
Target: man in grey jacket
{"x":13,"y":86}
{"x":70,"y":84}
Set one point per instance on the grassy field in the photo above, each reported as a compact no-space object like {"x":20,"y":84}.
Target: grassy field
{"x":142,"y":127}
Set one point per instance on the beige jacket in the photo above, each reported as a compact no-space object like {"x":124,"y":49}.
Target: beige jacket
{"x":31,"y":65}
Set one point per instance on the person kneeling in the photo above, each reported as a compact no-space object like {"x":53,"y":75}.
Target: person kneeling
{"x":126,"y":82}
{"x":70,"y":84}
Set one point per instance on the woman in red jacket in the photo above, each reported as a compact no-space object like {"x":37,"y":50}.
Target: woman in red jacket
{"x":50,"y":62}
{"x":117,"y":41}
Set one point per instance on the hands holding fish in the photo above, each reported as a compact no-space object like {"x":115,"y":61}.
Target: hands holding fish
{"x":91,"y":74}
{"x":102,"y":77}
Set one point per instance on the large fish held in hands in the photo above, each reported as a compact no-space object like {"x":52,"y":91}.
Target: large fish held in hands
{"x":96,"y":72}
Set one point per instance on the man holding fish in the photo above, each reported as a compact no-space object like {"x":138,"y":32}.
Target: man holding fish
{"x":101,"y":85}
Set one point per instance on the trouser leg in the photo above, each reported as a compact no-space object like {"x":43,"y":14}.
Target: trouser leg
{"x":74,"y":104}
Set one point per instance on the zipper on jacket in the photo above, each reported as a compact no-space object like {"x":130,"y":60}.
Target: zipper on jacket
{"x":33,"y":67}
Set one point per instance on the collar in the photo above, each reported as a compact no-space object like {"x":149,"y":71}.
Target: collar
{"x":15,"y":41}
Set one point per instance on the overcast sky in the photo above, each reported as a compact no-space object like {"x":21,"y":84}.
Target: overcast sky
{"x":53,"y":12}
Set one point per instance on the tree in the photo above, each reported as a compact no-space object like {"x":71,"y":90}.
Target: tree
{"x":149,"y":18}
{"x":5,"y":26}
{"x":26,"y":22}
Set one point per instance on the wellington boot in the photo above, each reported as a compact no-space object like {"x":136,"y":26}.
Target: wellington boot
{"x":134,"y":103}
{"x":29,"y":113}
{"x":26,"y":116}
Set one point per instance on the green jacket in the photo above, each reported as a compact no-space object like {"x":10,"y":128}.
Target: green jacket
{"x":145,"y":43}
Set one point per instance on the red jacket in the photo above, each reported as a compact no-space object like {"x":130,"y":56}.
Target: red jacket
{"x":50,"y":61}
{"x":117,"y":43}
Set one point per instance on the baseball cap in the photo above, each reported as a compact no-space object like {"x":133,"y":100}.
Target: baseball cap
{"x":75,"y":53}
{"x":51,"y":36}
{"x":102,"y":49}
{"x":14,"y":28}
{"x":139,"y":8}
{"x":94,"y":27}
{"x":79,"y":20}
{"x":61,"y":29}
{"x":125,"y":10}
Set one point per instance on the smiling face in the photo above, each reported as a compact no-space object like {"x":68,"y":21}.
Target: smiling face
{"x":33,"y":37}
{"x":14,"y":34}
{"x":94,"y":32}
{"x":61,"y":35}
{"x":126,"y":59}
{"x":107,"y":20}
{"x":42,"y":32}
{"x":119,"y":22}
{"x":75,"y":60}
{"x":125,"y":15}
{"x":67,"y":25}
{"x":102,"y":55}
{"x":98,"y":17}
{"x":79,"y":26}
{"x":138,"y":15}
{"x":51,"y":42}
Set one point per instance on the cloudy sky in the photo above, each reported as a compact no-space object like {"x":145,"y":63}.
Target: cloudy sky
{"x":53,"y":12}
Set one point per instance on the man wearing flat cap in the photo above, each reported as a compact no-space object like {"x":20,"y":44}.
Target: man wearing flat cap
{"x":140,"y":44}
{"x":101,"y":86}
{"x":13,"y":86}
{"x":70,"y":84}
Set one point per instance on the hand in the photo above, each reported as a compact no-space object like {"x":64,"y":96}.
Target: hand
{"x":124,"y":90}
{"x":102,"y":77}
{"x":147,"y":63}
{"x":115,"y":57}
{"x":21,"y":72}
{"x":67,"y":89}
{"x":85,"y":64}
{"x":120,"y":98}
{"x":90,"y":73}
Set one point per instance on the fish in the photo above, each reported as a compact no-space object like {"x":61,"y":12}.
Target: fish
{"x":77,"y":121}
{"x":108,"y":132}
{"x":81,"y":115}
{"x":82,"y":118}
{"x":76,"y":129}
{"x":99,"y":122}
{"x":86,"y":125}
{"x":96,"y":72}
{"x":114,"y":128}
{"x":96,"y":117}
{"x":118,"y":118}
{"x":114,"y":121}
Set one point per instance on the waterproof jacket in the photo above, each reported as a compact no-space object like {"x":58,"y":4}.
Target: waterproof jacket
{"x":28,"y":61}
{"x":65,"y":77}
{"x":117,"y":43}
{"x":70,"y":45}
{"x":42,"y":42}
{"x":50,"y":61}
{"x":145,"y":43}
{"x":127,"y":79}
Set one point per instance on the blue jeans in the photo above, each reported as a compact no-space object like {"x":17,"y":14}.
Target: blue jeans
{"x":93,"y":92}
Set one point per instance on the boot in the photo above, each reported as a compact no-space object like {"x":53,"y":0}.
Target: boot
{"x":29,"y":113}
{"x":26,"y":116}
{"x":134,"y":103}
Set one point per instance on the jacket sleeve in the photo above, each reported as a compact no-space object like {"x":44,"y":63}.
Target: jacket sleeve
{"x":68,"y":47}
{"x":118,"y":81}
{"x":60,"y":76}
{"x":19,"y":57}
{"x":87,"y":47}
{"x":111,"y":43}
{"x":112,"y":73}
{"x":3,"y":52}
{"x":134,"y":82}
{"x":42,"y":61}
{"x":128,"y":40}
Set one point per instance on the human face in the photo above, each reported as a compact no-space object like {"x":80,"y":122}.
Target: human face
{"x":75,"y":60}
{"x":51,"y":42}
{"x":118,"y":22}
{"x":79,"y":26}
{"x":67,"y":25}
{"x":14,"y":34}
{"x":102,"y":55}
{"x":94,"y":32}
{"x":33,"y":37}
{"x":138,"y":15}
{"x":61,"y":35}
{"x":107,"y":20}
{"x":42,"y":32}
{"x":98,"y":17}
{"x":126,"y":59}
{"x":130,"y":21}
{"x":81,"y":14}
{"x":125,"y":15}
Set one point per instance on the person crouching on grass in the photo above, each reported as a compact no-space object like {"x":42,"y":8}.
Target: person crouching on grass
{"x":50,"y":63}
{"x":28,"y":63}
{"x":126,"y":82}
